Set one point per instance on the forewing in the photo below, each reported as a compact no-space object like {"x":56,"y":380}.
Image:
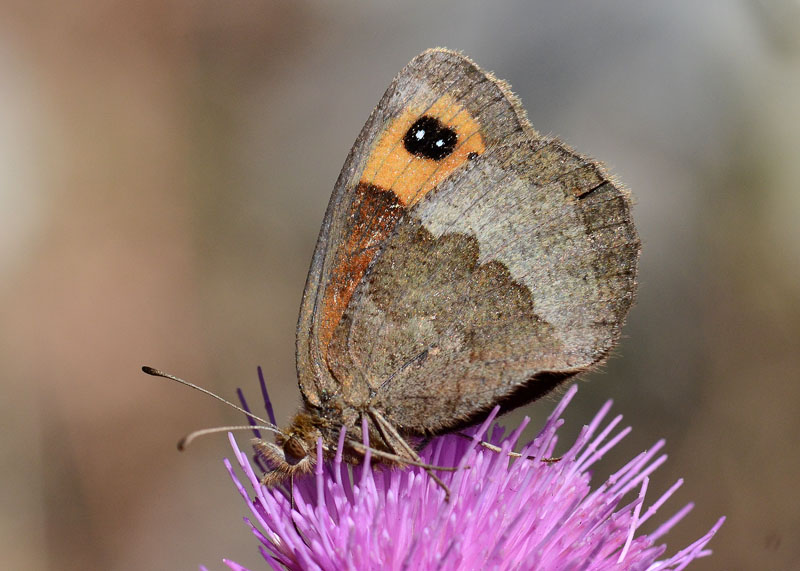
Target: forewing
{"x":518,"y":269}
{"x":387,"y":175}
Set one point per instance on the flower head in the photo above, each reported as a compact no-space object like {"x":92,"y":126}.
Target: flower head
{"x":504,"y":513}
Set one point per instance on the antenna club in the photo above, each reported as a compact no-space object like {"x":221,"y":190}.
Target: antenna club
{"x":263,"y":424}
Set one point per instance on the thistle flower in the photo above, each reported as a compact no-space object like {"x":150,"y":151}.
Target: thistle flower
{"x":504,"y":513}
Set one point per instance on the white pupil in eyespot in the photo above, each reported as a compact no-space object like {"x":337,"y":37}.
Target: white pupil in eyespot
{"x":439,"y":143}
{"x":420,"y":134}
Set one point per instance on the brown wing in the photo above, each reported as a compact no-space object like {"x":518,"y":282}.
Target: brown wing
{"x":438,"y":115}
{"x":516,"y":270}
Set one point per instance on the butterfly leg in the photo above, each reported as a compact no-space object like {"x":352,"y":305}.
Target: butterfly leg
{"x":494,"y":448}
{"x":398,"y":458}
{"x":401,"y":459}
{"x":399,"y":444}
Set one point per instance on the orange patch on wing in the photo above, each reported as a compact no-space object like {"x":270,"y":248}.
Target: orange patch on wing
{"x":390,"y":166}
{"x":374,"y":212}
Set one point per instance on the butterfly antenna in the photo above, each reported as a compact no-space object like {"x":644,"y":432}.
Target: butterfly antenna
{"x":264,"y":424}
{"x":184,"y":442}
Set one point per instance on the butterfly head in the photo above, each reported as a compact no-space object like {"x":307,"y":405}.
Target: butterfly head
{"x":294,"y":452}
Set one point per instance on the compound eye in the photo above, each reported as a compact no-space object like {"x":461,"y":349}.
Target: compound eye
{"x":429,"y":138}
{"x":294,"y":451}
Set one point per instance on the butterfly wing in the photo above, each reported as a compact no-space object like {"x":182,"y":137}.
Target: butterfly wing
{"x":515,"y":272}
{"x":439,"y":114}
{"x":464,"y":261}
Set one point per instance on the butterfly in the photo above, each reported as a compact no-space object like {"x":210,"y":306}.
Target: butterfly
{"x":464,"y":261}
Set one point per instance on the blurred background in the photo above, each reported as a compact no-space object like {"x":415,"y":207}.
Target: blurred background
{"x":164,"y":169}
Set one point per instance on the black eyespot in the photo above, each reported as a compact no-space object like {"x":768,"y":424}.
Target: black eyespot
{"x":430,"y":139}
